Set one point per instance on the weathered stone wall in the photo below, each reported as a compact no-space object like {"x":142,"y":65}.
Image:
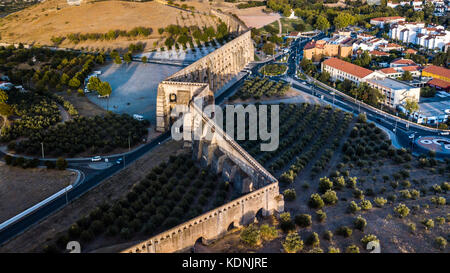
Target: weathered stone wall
{"x":214,"y":224}
{"x":215,"y":70}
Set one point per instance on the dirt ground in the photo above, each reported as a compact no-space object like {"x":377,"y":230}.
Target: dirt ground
{"x":37,"y":24}
{"x":393,"y":232}
{"x":114,"y":187}
{"x":254,"y":17}
{"x":83,"y":105}
{"x":23,"y":188}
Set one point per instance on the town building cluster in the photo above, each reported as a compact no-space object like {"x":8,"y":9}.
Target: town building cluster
{"x":430,"y":37}
{"x":440,"y":7}
{"x":395,"y":92}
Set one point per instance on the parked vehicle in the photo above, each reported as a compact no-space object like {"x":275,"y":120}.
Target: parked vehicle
{"x":138,"y":117}
{"x":96,"y":158}
{"x":119,"y":161}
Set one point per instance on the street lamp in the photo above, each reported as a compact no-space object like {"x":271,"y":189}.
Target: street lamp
{"x":42,"y":146}
{"x":333,"y":93}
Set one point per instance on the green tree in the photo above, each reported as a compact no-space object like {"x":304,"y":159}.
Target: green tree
{"x":74,"y":82}
{"x":343,"y":20}
{"x":127,"y":57}
{"x":411,"y":106}
{"x":293,"y":243}
{"x":407,"y":76}
{"x":104,"y":89}
{"x":94,"y":83}
{"x":322,"y":23}
{"x":117,"y":60}
{"x":61,"y":163}
{"x":144,"y":59}
{"x":268,"y":48}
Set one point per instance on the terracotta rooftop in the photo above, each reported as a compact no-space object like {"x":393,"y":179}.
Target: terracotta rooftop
{"x":440,"y":83}
{"x":403,"y":61}
{"x":378,"y":53}
{"x":388,"y":70}
{"x":383,"y":19}
{"x":410,"y":68}
{"x":347,"y":67}
{"x":410,"y":51}
{"x":438,"y":70}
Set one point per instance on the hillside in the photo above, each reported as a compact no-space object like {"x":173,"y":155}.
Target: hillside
{"x":55,"y":18}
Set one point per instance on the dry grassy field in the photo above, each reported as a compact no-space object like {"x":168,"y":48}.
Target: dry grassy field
{"x":22,"y":189}
{"x":53,"y":18}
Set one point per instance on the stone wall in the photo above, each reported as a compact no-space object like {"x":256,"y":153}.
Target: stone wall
{"x":214,"y":224}
{"x":215,"y":70}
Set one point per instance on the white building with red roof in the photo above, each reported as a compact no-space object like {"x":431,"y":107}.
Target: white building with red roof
{"x":382,"y":21}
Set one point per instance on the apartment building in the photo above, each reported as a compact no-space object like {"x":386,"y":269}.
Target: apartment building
{"x":430,"y":37}
{"x":338,"y":46}
{"x":395,"y":91}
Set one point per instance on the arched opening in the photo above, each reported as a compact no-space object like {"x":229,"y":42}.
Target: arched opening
{"x":231,"y":226}
{"x":199,"y":245}
{"x":259,"y":215}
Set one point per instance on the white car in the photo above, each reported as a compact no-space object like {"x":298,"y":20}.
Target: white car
{"x":96,"y":158}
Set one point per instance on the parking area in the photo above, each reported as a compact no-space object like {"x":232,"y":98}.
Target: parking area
{"x":134,"y":87}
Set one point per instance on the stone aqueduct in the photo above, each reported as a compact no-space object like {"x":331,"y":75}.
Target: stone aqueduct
{"x":193,"y":88}
{"x":215,"y":69}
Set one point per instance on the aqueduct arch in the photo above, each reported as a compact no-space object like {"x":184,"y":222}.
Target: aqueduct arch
{"x":193,"y":88}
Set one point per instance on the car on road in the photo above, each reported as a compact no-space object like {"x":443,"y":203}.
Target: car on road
{"x":119,"y":161}
{"x":96,"y":158}
{"x":444,"y":133}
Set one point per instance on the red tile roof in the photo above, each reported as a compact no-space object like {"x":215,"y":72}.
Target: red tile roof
{"x":440,"y":83}
{"x":383,"y":19}
{"x":403,"y":61}
{"x":410,"y":68}
{"x":388,"y":70}
{"x":410,"y":51}
{"x":438,"y":70}
{"x":347,"y":67}
{"x":378,"y":53}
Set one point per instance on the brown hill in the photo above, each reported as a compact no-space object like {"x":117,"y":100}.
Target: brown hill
{"x":54,"y":18}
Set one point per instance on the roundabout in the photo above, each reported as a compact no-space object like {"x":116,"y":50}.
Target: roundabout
{"x":434,"y":143}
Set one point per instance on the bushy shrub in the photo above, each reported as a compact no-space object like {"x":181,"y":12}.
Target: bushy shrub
{"x":358,"y":194}
{"x":353,"y":207}
{"x":366,"y":204}
{"x":315,"y":201}
{"x":380,"y":201}
{"x":325,"y":184}
{"x":440,"y":220}
{"x":441,"y":242}
{"x":428,"y":223}
{"x":321,"y":215}
{"x":251,"y":236}
{"x":328,"y":235}
{"x":289,"y":194}
{"x":313,"y":240}
{"x":344,"y":231}
{"x":360,"y":223}
{"x":333,"y":250}
{"x":401,"y":210}
{"x":286,"y":223}
{"x":293,"y":243}
{"x":330,"y":197}
{"x":303,"y":220}
{"x":268,"y":233}
{"x":352,"y":249}
{"x":438,"y":201}
{"x":369,"y":238}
